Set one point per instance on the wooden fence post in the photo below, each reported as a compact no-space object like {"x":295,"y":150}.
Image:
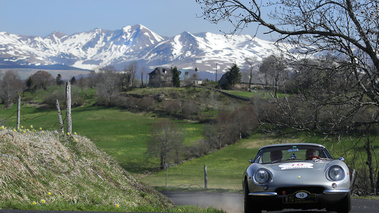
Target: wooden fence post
{"x":18,"y":111}
{"x":60,"y":116}
{"x":68,"y":105}
{"x":205,"y":177}
{"x":166,"y":173}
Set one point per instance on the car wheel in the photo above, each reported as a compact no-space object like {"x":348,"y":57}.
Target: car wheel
{"x":342,"y":206}
{"x":248,"y":202}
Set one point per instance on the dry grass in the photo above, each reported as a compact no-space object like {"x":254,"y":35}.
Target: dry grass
{"x":45,"y":167}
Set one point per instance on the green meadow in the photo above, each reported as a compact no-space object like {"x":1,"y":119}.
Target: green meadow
{"x":224,"y":167}
{"x":120,"y":133}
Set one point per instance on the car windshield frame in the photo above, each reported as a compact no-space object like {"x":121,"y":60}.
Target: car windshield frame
{"x":290,"y":153}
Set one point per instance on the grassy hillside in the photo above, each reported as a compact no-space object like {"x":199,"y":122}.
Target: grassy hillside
{"x":50,"y":170}
{"x":47,"y":170}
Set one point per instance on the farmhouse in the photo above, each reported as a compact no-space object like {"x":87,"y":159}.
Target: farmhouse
{"x":162,"y":77}
{"x":189,"y":77}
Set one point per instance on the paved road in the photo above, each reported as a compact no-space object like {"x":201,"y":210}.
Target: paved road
{"x":233,"y":202}
{"x":230,"y":202}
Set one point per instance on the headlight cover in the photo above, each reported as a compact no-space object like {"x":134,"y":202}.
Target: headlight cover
{"x":262,"y":176}
{"x":336,"y":173}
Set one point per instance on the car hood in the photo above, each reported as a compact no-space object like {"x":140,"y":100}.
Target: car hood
{"x":299,"y":173}
{"x":303,"y":165}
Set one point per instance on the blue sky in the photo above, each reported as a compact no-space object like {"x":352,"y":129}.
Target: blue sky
{"x":164,"y":17}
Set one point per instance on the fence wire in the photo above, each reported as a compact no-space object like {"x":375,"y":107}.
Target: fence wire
{"x":194,"y":177}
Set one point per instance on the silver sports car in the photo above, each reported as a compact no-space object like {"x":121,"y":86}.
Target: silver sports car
{"x":296,"y":176}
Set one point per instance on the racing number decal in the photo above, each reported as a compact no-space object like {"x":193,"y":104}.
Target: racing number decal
{"x":301,"y":195}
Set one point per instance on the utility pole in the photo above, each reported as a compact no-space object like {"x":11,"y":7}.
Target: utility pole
{"x":205,"y":177}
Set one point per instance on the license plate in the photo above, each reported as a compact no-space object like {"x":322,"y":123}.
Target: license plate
{"x":301,"y":197}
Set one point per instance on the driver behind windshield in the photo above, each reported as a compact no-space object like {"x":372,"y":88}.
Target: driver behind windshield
{"x":311,"y":154}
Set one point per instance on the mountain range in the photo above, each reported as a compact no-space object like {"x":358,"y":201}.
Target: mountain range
{"x":98,"y":48}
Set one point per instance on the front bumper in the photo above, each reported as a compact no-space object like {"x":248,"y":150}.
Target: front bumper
{"x":326,"y":192}
{"x":275,"y":201}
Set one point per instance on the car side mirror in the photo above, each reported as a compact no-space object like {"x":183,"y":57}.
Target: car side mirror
{"x":251,"y":161}
{"x":341,"y":159}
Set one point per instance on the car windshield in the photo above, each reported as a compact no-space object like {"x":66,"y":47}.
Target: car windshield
{"x":276,"y":154}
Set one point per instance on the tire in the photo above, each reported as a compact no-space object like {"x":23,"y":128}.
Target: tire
{"x":248,"y":201}
{"x":342,"y":206}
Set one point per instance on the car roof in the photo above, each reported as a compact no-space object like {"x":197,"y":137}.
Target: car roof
{"x":293,"y":144}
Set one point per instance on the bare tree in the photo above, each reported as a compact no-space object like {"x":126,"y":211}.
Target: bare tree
{"x":143,"y":71}
{"x":322,"y":98}
{"x":221,"y":131}
{"x":108,"y":86}
{"x":343,"y":26}
{"x":245,"y":120}
{"x":11,"y":87}
{"x":189,"y":108}
{"x":132,"y":70}
{"x":252,"y":65}
{"x":166,"y":142}
{"x":273,"y":68}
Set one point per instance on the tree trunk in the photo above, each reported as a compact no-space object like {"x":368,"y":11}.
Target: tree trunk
{"x":142,"y":79}
{"x":369,"y":164}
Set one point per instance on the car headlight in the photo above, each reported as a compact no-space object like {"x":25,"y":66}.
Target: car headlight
{"x":262,"y":176}
{"x":336,"y":173}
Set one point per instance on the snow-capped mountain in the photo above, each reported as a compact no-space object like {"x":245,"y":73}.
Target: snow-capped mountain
{"x":99,"y":48}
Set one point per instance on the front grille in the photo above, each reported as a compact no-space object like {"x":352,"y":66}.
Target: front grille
{"x":291,"y":190}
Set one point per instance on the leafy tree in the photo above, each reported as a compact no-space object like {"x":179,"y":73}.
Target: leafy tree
{"x":41,"y":80}
{"x":175,"y":77}
{"x":59,"y":80}
{"x":29,"y":83}
{"x":233,"y":77}
{"x":73,"y":80}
